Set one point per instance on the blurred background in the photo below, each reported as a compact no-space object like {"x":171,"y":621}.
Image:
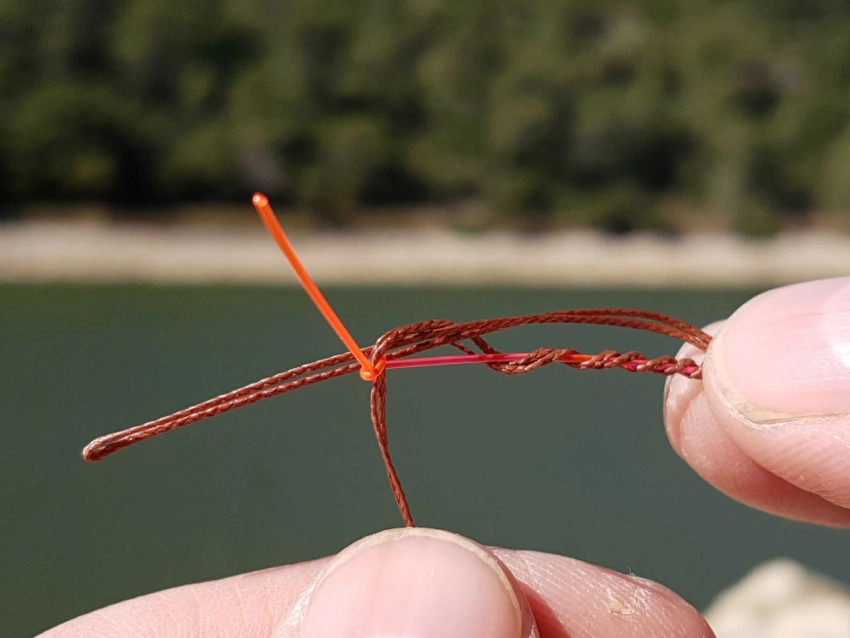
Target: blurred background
{"x":135,"y":131}
{"x":660,"y":114}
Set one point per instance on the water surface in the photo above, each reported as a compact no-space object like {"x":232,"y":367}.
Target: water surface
{"x":561,"y":461}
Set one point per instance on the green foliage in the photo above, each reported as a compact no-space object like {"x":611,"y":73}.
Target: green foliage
{"x":76,"y":139}
{"x":585,"y":111}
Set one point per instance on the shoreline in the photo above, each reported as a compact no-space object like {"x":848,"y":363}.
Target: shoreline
{"x":82,"y":251}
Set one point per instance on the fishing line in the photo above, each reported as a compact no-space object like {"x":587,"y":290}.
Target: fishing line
{"x":396,"y":348}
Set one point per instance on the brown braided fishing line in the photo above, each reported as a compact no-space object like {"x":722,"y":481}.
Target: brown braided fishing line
{"x":405,"y":341}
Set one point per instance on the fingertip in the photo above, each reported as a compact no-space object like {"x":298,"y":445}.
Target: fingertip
{"x":781,"y":464}
{"x":778,"y":381}
{"x":785,"y":354}
{"x":417,"y":582}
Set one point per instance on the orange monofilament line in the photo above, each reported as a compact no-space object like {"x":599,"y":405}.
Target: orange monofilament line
{"x":261,"y":203}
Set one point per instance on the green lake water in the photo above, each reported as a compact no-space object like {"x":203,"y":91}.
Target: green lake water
{"x":558,"y":460}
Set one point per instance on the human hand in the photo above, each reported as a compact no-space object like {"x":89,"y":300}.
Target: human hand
{"x":770,"y":426}
{"x":413,"y":582}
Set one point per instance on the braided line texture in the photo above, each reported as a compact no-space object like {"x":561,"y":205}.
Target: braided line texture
{"x":404,"y":341}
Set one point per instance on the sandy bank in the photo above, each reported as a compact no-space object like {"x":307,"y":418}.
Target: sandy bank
{"x":57,"y":251}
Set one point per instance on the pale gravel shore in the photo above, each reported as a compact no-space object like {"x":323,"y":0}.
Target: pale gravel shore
{"x":85,"y":251}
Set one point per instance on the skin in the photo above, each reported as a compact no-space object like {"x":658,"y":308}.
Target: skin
{"x":769,"y":426}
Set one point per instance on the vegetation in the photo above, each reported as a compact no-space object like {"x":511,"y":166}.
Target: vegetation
{"x":601,"y":112}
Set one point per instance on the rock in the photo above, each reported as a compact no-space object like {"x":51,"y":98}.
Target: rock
{"x":782,"y":599}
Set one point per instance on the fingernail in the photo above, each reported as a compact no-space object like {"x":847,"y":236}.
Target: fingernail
{"x":785,"y":354}
{"x":416,"y":582}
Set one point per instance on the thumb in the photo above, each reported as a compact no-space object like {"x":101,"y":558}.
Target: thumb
{"x":415,"y":582}
{"x":770,"y":425}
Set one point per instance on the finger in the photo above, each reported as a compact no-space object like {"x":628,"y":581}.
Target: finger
{"x":416,"y":582}
{"x":573,"y":599}
{"x":770,"y":424}
{"x":247,"y":605}
{"x":410,"y":582}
